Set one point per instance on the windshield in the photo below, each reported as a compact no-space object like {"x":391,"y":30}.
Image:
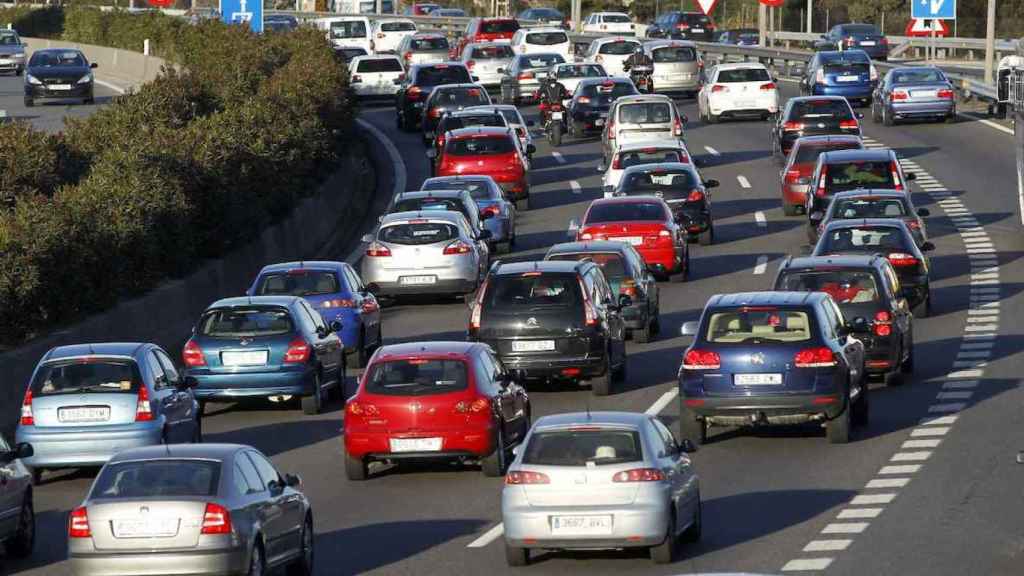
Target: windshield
{"x":88,"y":375}
{"x":580,"y":71}
{"x":836,"y":109}
{"x":442,"y":74}
{"x":418,"y":233}
{"x":379,"y":65}
{"x":425,"y":43}
{"x":854,"y":208}
{"x":534,"y":290}
{"x":479,"y":189}
{"x":545,"y":13}
{"x":301,"y":282}
{"x":808,"y":153}
{"x":585,"y":447}
{"x":917,"y":76}
{"x":853,"y":175}
{"x":546,"y":38}
{"x":658,"y":181}
{"x":417,"y":377}
{"x":497,"y":52}
{"x":611,"y":263}
{"x":58,"y":59}
{"x":845,"y":286}
{"x":618,"y":48}
{"x":764,"y":324}
{"x":645,"y":113}
{"x":239,"y":322}
{"x":626,"y":212}
{"x":616,"y":18}
{"x":540,"y":61}
{"x":487,"y":146}
{"x":871,"y":239}
{"x":161,"y":478}
{"x":499,"y":27}
{"x":671,"y":54}
{"x":459,"y":97}
{"x":743,"y":75}
{"x":398,"y":27}
{"x":9,"y":39}
{"x":649,"y":156}
{"x":350,"y":29}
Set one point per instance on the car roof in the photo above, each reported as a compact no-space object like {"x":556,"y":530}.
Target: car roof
{"x":661,"y":43}
{"x":610,"y":39}
{"x":629,"y":199}
{"x":741,"y":66}
{"x":541,"y":29}
{"x":485,"y":131}
{"x":654,"y":143}
{"x":641,"y":98}
{"x":844,"y":54}
{"x":93,"y":349}
{"x":454,"y":347}
{"x":604,"y":12}
{"x":604,"y":80}
{"x":627,"y":419}
{"x":285,"y":301}
{"x":765,"y":298}
{"x":459,"y":194}
{"x":837,"y":261}
{"x":366,"y":57}
{"x":840,"y":156}
{"x":449,"y":216}
{"x":459,"y":177}
{"x":535,"y":54}
{"x":393,"y":20}
{"x":57,"y":51}
{"x":427,"y":34}
{"x":799,"y":99}
{"x":496,"y":107}
{"x":666,"y":166}
{"x":827,"y":139}
{"x":873,"y":222}
{"x":455,"y":85}
{"x":537,"y":266}
{"x":303,"y":265}
{"x":870,"y":192}
{"x":205,"y":451}
{"x":445,"y":64}
{"x":588,"y":246}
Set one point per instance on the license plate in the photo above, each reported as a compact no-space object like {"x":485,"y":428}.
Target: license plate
{"x":846,"y":78}
{"x":59,"y":86}
{"x":84,"y":414}
{"x":417,"y":280}
{"x":634,"y":240}
{"x":556,"y":115}
{"x":868,"y":43}
{"x":924,"y":93}
{"x":599,"y":122}
{"x":745,"y":104}
{"x":146,"y":528}
{"x":415,"y":444}
{"x":6,"y":61}
{"x":244,"y":358}
{"x":698,"y":30}
{"x":581,"y":525}
{"x":533,"y":345}
{"x":756,"y":379}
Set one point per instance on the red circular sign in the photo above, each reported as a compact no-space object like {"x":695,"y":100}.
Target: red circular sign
{"x":772,"y":3}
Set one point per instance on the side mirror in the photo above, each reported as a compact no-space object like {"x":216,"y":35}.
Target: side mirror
{"x":711,"y":183}
{"x":910,"y":176}
{"x":485,"y":235}
{"x":94,"y":65}
{"x":924,"y":212}
{"x":684,"y":118}
{"x":275,"y":487}
{"x":689,"y":328}
{"x":927,"y":247}
{"x":335,"y":326}
{"x":475,"y":78}
{"x":625,"y":301}
{"x":188,"y":383}
{"x":816,"y":216}
{"x":515,"y":449}
{"x":687,"y":446}
{"x":859,"y":324}
{"x":367,"y":238}
{"x":431,"y":153}
{"x":24,"y":450}
{"x":293,"y":480}
{"x":531,"y":149}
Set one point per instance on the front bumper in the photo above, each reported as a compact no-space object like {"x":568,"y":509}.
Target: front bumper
{"x":39,"y":92}
{"x":220,"y":562}
{"x":79,"y":446}
{"x":12,"y":64}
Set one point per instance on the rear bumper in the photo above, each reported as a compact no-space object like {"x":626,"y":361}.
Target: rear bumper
{"x":212,"y":563}
{"x":537,"y":367}
{"x":475,"y":442}
{"x":54,"y":447}
{"x":795,"y":194}
{"x":253,"y":385}
{"x":754,"y":107}
{"x":858,"y":91}
{"x":924,"y":109}
{"x":676,"y":83}
{"x":442,"y":286}
{"x":642,"y":523}
{"x":746,"y":410}
{"x":663,"y":259}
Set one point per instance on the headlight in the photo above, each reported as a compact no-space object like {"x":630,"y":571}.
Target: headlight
{"x":32,"y":79}
{"x":86,"y":79}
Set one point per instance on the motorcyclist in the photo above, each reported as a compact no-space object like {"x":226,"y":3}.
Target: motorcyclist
{"x":551,"y":90}
{"x":639,"y":59}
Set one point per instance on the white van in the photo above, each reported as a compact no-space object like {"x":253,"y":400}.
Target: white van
{"x":347,"y":31}
{"x":609,"y":23}
{"x":547,"y":40}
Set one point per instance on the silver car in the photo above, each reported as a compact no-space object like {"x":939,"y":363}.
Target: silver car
{"x":423,"y":48}
{"x":209,"y":509}
{"x":485,"y":59}
{"x":641,"y":118}
{"x":677,"y":66}
{"x":490,"y":199}
{"x":521,"y":79}
{"x":600,"y":480}
{"x":87,"y":402}
{"x":12,"y":52}
{"x":425,"y":252}
{"x":17,"y":516}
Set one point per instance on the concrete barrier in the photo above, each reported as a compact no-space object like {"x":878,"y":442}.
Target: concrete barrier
{"x":123,"y":68}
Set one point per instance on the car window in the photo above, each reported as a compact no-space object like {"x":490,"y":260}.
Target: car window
{"x":758,"y":324}
{"x":159,"y":377}
{"x":603,"y":292}
{"x":808,"y":153}
{"x":265,"y":469}
{"x":864,"y":174}
{"x":605,"y":93}
{"x":397,"y":27}
{"x":645,"y":113}
{"x":618,"y":48}
{"x":657,"y":181}
{"x":829,"y":322}
{"x":488,"y":374}
{"x":578,"y":448}
{"x":670,"y":446}
{"x":414,"y":204}
{"x":484,"y":146}
{"x":844,"y":286}
{"x":734,"y":75}
{"x":349,"y":29}
{"x":48,"y":59}
{"x":416,"y":377}
{"x":461,"y":96}
{"x":426,"y":43}
{"x":649,"y":156}
{"x":856,"y":208}
{"x":547,"y":38}
{"x":456,"y":122}
{"x":442,"y":74}
{"x":612,"y":265}
{"x":242,"y":486}
{"x":864,"y":239}
{"x":533,"y":291}
{"x":499,"y":51}
{"x":168,"y":366}
{"x":252,"y":478}
{"x":616,"y":18}
{"x":379,"y":65}
{"x":626,"y":211}
{"x":318,"y":320}
{"x":297,"y":282}
{"x":94,"y":375}
{"x":674,"y":54}
{"x":914,"y":76}
{"x":825,"y":108}
{"x":579,"y":71}
{"x":539,"y":61}
{"x":162,"y":477}
{"x":236,"y":322}
{"x":354,"y":282}
{"x":478,"y":189}
{"x":499,"y":27}
{"x":418,"y":232}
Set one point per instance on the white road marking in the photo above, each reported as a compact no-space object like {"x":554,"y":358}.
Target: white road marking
{"x":986,"y":122}
{"x":965,"y":385}
{"x":488,"y":537}
{"x":939,"y":420}
{"x":910,"y":456}
{"x":950,"y":407}
{"x":712,"y":151}
{"x":761,"y":220}
{"x":904,"y":469}
{"x":960,"y":395}
{"x":662,"y":402}
{"x":113,"y":87}
{"x":887,"y":483}
{"x":576,"y":188}
{"x":859,"y":513}
{"x":930,"y":431}
{"x":744,"y":183}
{"x":918,"y":444}
{"x":977,"y":345}
{"x":868,"y":499}
{"x":761,"y":265}
{"x":965,"y":374}
{"x":845,"y":528}
{"x":982,"y":328}
{"x":807,"y":565}
{"x":558,"y":157}
{"x":827,"y":545}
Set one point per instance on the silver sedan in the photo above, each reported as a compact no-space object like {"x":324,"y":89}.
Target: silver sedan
{"x":521,"y":79}
{"x":191,"y":509}
{"x":600,"y":480}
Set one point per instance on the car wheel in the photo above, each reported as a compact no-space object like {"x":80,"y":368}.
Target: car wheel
{"x":256,"y":562}
{"x":356,"y":469}
{"x":707,"y":237}
{"x":693,"y":427}
{"x":663,"y":553}
{"x":887,"y":119}
{"x":89,"y":100}
{"x":838,"y":428}
{"x":693,"y":533}
{"x":312,"y":404}
{"x":24,"y":539}
{"x":907,"y":365}
{"x":874,"y":114}
{"x":602,"y":385}
{"x":29,"y":102}
{"x":516,"y":556}
{"x":712,"y":119}
{"x":656,"y":324}
{"x":303,"y":566}
{"x":493,"y":465}
{"x":619,"y":374}
{"x":859,"y":410}
{"x":790,"y":209}
{"x":19,"y":72}
{"x":951,"y":117}
{"x":577,"y":129}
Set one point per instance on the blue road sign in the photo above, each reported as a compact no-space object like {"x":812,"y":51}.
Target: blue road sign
{"x":933,"y":9}
{"x":248,"y":12}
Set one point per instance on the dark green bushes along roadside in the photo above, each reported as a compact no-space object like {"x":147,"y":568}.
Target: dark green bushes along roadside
{"x":194,"y":163}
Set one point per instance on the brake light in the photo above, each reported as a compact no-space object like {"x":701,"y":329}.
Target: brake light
{"x":338,"y":303}
{"x":216,"y":520}
{"x":298,"y":352}
{"x":682,"y":26}
{"x":701,"y":360}
{"x":820,"y":192}
{"x":435,"y":113}
{"x":896,"y":180}
{"x":525,"y":75}
{"x":143,"y":411}
{"x":414,"y":92}
{"x":357,"y":79}
{"x":628,"y":287}
{"x":470,"y":64}
{"x":475,"y":407}
{"x":792,"y":126}
{"x":611,"y":128}
{"x":820,"y":357}
{"x":677,"y":127}
{"x":900,"y":95}
{"x":27,"y":419}
{"x":525,"y":477}
{"x":192,"y":355}
{"x":945,"y":94}
{"x":78,"y":523}
{"x":589,"y":313}
{"x":768,"y":86}
{"x":639,"y":475}
{"x":819,"y":78}
{"x":883,"y":40}
{"x":874,"y":73}
{"x":584,"y":100}
{"x":719,"y":88}
{"x":901,"y":259}
{"x":792,"y":176}
{"x":357,"y":409}
{"x":378,"y":250}
{"x":850,"y":42}
{"x":695,"y":196}
{"x":883,"y":323}
{"x":616,"y":162}
{"x":457,"y":247}
{"x":848,"y":124}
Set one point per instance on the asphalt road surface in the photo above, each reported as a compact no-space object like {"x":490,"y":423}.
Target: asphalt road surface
{"x":902,"y":498}
{"x":46,"y":115}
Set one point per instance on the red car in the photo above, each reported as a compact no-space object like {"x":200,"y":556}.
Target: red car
{"x":435,"y":401}
{"x":487,"y":151}
{"x":796,"y":176}
{"x":485,"y":30}
{"x":646,"y":223}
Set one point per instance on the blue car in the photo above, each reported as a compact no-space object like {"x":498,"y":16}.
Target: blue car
{"x":914,"y":92}
{"x":761,"y":358}
{"x":87,"y":402}
{"x":489,"y":198}
{"x":263,"y":346}
{"x":849,"y":73}
{"x":335,"y":290}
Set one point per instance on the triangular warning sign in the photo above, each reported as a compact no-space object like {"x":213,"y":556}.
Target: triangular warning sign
{"x":706,"y":6}
{"x":922,"y":27}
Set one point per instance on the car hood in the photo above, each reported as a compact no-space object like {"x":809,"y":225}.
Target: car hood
{"x":63,"y":73}
{"x":8,"y":49}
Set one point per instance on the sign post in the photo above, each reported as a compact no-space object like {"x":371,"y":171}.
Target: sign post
{"x":246,"y":12}
{"x":933,"y":10}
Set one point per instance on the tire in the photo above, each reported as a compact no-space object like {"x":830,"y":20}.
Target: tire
{"x":790,"y":209}
{"x":494,"y":464}
{"x":577,"y":129}
{"x":950,"y":118}
{"x":656,"y":324}
{"x":356,"y":469}
{"x":838,"y":428}
{"x":257,"y":564}
{"x":303,"y":566}
{"x":860,"y":410}
{"x":555,"y":135}
{"x":887,"y":119}
{"x":907,"y":366}
{"x":29,"y":102}
{"x":19,"y":72}
{"x":89,"y":100}
{"x":619,"y":374}
{"x":664,"y":553}
{"x":693,"y":533}
{"x":602,"y":385}
{"x":24,"y":539}
{"x":692,"y":427}
{"x":313,"y":404}
{"x":712,"y":119}
{"x":515,"y":556}
{"x":707,"y":237}
{"x":874,"y":115}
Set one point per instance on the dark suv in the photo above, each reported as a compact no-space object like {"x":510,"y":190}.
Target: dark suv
{"x":812,"y":116}
{"x":448,"y":98}
{"x":867,"y":291}
{"x":554,"y":320}
{"x":772,"y":358}
{"x":590,"y":104}
{"x":682,"y":26}
{"x":417,"y":84}
{"x":842,"y":170}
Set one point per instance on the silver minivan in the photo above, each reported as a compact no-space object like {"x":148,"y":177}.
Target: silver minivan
{"x":677,"y":66}
{"x":640,"y":118}
{"x":485,"y":59}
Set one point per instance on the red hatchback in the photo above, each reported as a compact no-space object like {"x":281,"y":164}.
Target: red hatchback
{"x":435,"y":401}
{"x":486,"y":30}
{"x":646,"y":223}
{"x":803,"y":156}
{"x":487,"y":151}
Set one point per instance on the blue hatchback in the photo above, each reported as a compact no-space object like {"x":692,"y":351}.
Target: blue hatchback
{"x":772,"y":358}
{"x":335,"y":290}
{"x":263,"y":346}
{"x":849,"y":73}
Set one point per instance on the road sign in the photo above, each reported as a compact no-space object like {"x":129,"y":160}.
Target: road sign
{"x":922,"y":28}
{"x":161,"y":3}
{"x":249,"y":12}
{"x":706,"y":6}
{"x":937,"y":9}
{"x":772,"y":3}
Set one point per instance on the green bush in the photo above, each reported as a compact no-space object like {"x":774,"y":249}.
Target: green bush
{"x":33,"y":22}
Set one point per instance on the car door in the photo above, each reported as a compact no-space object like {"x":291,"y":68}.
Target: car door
{"x":496,"y":384}
{"x":283,"y":516}
{"x":648,"y":284}
{"x":185,"y":404}
{"x":675,"y":465}
{"x":327,"y":344}
{"x":10,"y":497}
{"x":165,"y":394}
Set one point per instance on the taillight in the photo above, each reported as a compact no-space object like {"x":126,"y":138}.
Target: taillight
{"x":298,"y":352}
{"x":415,"y":92}
{"x":525,"y":76}
{"x":677,"y":127}
{"x":584,"y":100}
{"x":897,"y":182}
{"x":357,"y":79}
{"x":900,"y":95}
{"x":719,"y":88}
{"x":457,"y":247}
{"x":357,"y":409}
{"x":768,"y":86}
{"x":407,"y":56}
{"x":611,"y":128}
{"x":792,"y":126}
{"x":639,"y":475}
{"x":820,"y":357}
{"x":589,"y":313}
{"x":883,"y":323}
{"x":616,"y":162}
{"x":682,"y":26}
{"x":216,"y":520}
{"x":435,"y":113}
{"x":338,"y":303}
{"x":848,"y":124}
{"x":695,"y":196}
{"x":475,"y":407}
{"x":901,"y":259}
{"x":820,"y":192}
{"x":525,"y":477}
{"x":945,"y":94}
{"x":192,"y":355}
{"x":628,"y":287}
{"x":143,"y":411}
{"x":792,"y":176}
{"x":819,"y":78}
{"x":850,"y":41}
{"x":702,"y":360}
{"x":470,"y":64}
{"x":377,"y":250}
{"x":78,"y":523}
{"x":27,"y":419}
{"x":874,"y":73}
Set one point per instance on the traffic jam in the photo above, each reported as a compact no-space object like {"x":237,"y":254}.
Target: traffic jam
{"x":834,"y":324}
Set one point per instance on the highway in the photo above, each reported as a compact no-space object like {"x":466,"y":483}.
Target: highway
{"x":48,"y":115}
{"x":768,"y":495}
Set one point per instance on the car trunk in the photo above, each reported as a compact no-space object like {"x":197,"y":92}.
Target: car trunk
{"x":416,"y":415}
{"x":238,"y":355}
{"x":535,"y":331}
{"x":72,"y":410}
{"x":639,"y":233}
{"x":771,"y":358}
{"x":845,"y":72}
{"x":427,"y":56}
{"x":924,"y":92}
{"x":581,"y":486}
{"x":146,"y":525}
{"x":417,"y":256}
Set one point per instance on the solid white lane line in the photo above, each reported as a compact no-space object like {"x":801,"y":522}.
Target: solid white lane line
{"x":859,"y":513}
{"x":761,"y":220}
{"x":744,"y":183}
{"x":662,"y":402}
{"x":918,"y":444}
{"x":827,"y":545}
{"x":959,"y":395}
{"x":930,"y":431}
{"x":904,"y":469}
{"x":868,"y":499}
{"x":558,"y":157}
{"x":807,"y":565}
{"x":761,"y":265}
{"x":965,"y":374}
{"x":488,"y":537}
{"x":910,"y":456}
{"x":845,"y":528}
{"x":986,"y":122}
{"x":888,"y":483}
{"x":712,"y":151}
{"x":965,"y":385}
{"x":576,"y":188}
{"x":982,"y":328}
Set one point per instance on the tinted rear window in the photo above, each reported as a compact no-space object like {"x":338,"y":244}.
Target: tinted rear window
{"x":413,"y":204}
{"x":397,"y":27}
{"x":499,"y":52}
{"x":605,"y":94}
{"x":860,"y":29}
{"x":743,"y":75}
{"x":436,"y":75}
{"x":837,"y":109}
{"x":477,"y":188}
{"x":349,"y":53}
{"x":913,"y":76}
{"x":379,"y":65}
{"x":540,"y":61}
{"x":809,"y":152}
{"x":418,"y":233}
{"x":580,"y":71}
{"x":616,"y":18}
{"x":238,"y":322}
{"x":530,"y":290}
{"x":157,"y":479}
{"x":468,"y":121}
{"x":849,"y":176}
{"x":429,"y":43}
{"x":848,"y":68}
{"x":849,"y":209}
{"x":547,"y":38}
{"x":416,"y":377}
{"x":459,"y":97}
{"x":696,"y":19}
{"x":671,"y":54}
{"x":86,"y":376}
{"x":646,"y":113}
{"x":658,"y":181}
{"x":622,"y":48}
{"x":547,"y":13}
{"x":611,"y":263}
{"x":480,"y":146}
{"x":625,"y":212}
{"x":499,"y":26}
{"x":761,"y":325}
{"x":298,"y":283}
{"x":584,"y":447}
{"x":845,"y":286}
{"x":870,"y":239}
{"x":636,"y":157}
{"x":353,"y":29}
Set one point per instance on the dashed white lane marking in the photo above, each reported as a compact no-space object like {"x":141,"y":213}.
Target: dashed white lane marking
{"x":807,"y":565}
{"x":712,"y":151}
{"x":887,"y":483}
{"x":558,"y":157}
{"x":910,"y":456}
{"x":761,"y":265}
{"x":662,"y":402}
{"x":845,"y":528}
{"x":859,"y":513}
{"x":488,"y":537}
{"x":827,"y":545}
{"x":576,"y":188}
{"x":744,"y":183}
{"x":939,"y":420}
{"x":760,"y":219}
{"x":918,"y":444}
{"x":902,"y":469}
{"x":868,"y":499}
{"x":930,"y":431}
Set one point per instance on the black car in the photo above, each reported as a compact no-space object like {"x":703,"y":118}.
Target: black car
{"x":627,"y":274}
{"x":59,"y":73}
{"x":866,"y":37}
{"x":811,"y":116}
{"x":772,"y":358}
{"x":867,"y":291}
{"x":415,"y":87}
{"x":347,"y":53}
{"x":588,"y":109}
{"x":740,"y":37}
{"x":891,"y":238}
{"x":554,"y":321}
{"x":681,"y":187}
{"x":449,"y":98}
{"x":682,"y":26}
{"x":842,"y":170}
{"x":869,"y":203}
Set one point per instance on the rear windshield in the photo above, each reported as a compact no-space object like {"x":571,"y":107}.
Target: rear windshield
{"x":448,"y":12}
{"x":459,"y":97}
{"x":646,"y":113}
{"x":649,"y":156}
{"x":418,"y":233}
{"x":546,"y":13}
{"x":349,"y":52}
{"x":611,"y":263}
{"x":671,"y":54}
{"x":851,"y":64}
{"x":837,"y":109}
{"x":429,"y":43}
{"x":626,"y":212}
{"x":397,"y":27}
{"x":808,"y":153}
{"x":238,"y":322}
{"x":298,"y":283}
{"x":352,"y":29}
{"x":884,"y":239}
{"x":488,"y":146}
{"x":860,"y":29}
{"x":157,"y":479}
{"x":658,"y":181}
{"x":443,"y":74}
{"x":379,"y":65}
{"x":86,"y":376}
{"x":547,"y":38}
{"x":416,"y":377}
{"x":855,"y":208}
{"x":457,"y":122}
{"x":605,"y":94}
{"x":534,"y":290}
{"x":499,"y":26}
{"x":580,"y":71}
{"x":915,"y":76}
{"x":584,"y":447}
{"x":619,"y":48}
{"x":760,"y":324}
{"x":854,"y":175}
{"x":479,"y":189}
{"x":696,"y":18}
{"x":511,"y":116}
{"x":540,"y":61}
{"x":743,"y":75}
{"x":499,"y":52}
{"x":619,"y":18}
{"x":413,"y":204}
{"x":845,"y":286}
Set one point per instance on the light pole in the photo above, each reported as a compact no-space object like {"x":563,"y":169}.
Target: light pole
{"x":990,"y":40}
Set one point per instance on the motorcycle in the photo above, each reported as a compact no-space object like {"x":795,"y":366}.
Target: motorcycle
{"x":553,"y":114}
{"x":642,"y":77}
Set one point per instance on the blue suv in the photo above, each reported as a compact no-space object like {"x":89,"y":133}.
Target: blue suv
{"x":849,"y":73}
{"x":772,"y":358}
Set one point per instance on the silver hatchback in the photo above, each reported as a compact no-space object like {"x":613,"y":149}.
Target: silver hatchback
{"x":17,"y":516}
{"x":677,"y":66}
{"x":210,"y":509}
{"x":640,"y":118}
{"x":600,"y":480}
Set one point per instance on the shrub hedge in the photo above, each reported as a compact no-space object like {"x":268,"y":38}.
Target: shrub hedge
{"x":195,"y":162}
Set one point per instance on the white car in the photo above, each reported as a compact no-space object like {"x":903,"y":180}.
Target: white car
{"x":374,"y":76}
{"x":740,"y":89}
{"x":484,"y":59}
{"x":635,"y":153}
{"x":388,"y":33}
{"x":640,"y":118}
{"x":530,"y":40}
{"x":611,"y":53}
{"x":346,"y":31}
{"x":570,"y":74}
{"x":608,"y":23}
